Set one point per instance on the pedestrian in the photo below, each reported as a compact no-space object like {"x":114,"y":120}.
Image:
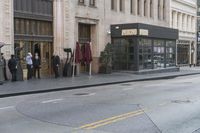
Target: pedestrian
{"x":12,"y":65}
{"x":36,"y":65}
{"x":29,"y":64}
{"x":4,"y":67}
{"x":56,"y":64}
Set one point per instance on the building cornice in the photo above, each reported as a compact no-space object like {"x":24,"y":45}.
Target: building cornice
{"x":186,"y":3}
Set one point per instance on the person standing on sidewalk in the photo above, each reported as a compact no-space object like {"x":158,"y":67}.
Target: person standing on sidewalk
{"x":12,"y":65}
{"x":29,"y":64}
{"x":4,"y":67}
{"x":56,"y":64}
{"x":36,"y":65}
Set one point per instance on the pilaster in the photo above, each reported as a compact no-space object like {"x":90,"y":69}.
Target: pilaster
{"x":180,"y":21}
{"x":141,"y":8}
{"x":135,"y":7}
{"x":58,"y":27}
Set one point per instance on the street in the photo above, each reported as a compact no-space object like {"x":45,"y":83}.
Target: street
{"x":167,"y":106}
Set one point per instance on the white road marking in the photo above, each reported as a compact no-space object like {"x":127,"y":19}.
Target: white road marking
{"x":51,"y":101}
{"x":91,"y":94}
{"x":8,"y":107}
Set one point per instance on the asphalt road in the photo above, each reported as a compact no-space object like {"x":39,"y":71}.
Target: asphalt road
{"x":167,"y":106}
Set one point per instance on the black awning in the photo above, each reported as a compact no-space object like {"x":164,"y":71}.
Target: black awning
{"x":143,"y":30}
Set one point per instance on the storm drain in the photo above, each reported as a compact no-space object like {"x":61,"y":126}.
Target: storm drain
{"x":125,"y":84}
{"x":82,"y":94}
{"x":181,"y":101}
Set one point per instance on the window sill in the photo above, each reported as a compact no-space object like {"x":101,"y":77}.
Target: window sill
{"x":92,"y":6}
{"x":81,"y":4}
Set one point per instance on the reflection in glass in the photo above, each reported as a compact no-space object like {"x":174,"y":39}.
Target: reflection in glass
{"x":145,"y":54}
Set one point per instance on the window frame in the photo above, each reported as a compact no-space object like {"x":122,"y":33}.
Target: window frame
{"x":93,"y":3}
{"x":81,"y":2}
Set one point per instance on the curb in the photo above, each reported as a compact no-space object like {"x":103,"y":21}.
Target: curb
{"x":91,"y":85}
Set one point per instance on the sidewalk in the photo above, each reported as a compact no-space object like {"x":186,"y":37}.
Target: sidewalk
{"x":48,"y":85}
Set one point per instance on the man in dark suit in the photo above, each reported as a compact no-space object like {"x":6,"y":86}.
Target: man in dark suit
{"x":12,"y":65}
{"x":56,"y":64}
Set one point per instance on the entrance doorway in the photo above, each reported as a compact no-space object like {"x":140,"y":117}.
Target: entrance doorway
{"x":124,"y":54}
{"x":183,"y":52}
{"x":84,"y":36}
{"x":44,"y":50}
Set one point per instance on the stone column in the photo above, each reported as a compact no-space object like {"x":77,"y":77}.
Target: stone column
{"x":174,"y":19}
{"x":148,"y":8}
{"x":193,"y":24}
{"x":141,"y":8}
{"x":188,"y":23}
{"x":185,"y":22}
{"x":135,"y":8}
{"x":58,"y":27}
{"x":180,"y":21}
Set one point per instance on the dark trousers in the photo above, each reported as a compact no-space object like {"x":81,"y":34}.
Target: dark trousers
{"x":4,"y":72}
{"x":29,"y":73}
{"x":14,"y":75}
{"x":37,"y":70}
{"x":55,"y":69}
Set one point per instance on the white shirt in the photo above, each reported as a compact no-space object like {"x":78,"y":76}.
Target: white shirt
{"x":29,"y":60}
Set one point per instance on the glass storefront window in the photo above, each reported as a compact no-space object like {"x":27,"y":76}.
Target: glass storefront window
{"x":159,"y":54}
{"x":123,"y":54}
{"x":145,"y":54}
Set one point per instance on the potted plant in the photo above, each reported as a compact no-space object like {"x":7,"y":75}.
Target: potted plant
{"x":106,"y":60}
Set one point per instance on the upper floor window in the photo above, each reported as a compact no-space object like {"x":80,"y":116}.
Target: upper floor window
{"x":121,"y":5}
{"x":151,"y":8}
{"x":138,"y":7}
{"x":164,"y":10}
{"x":145,"y":8}
{"x":92,"y":2}
{"x":81,"y":1}
{"x":113,"y":5}
{"x":131,"y":6}
{"x":159,"y":9}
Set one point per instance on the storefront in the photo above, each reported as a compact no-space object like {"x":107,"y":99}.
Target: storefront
{"x":140,"y":47}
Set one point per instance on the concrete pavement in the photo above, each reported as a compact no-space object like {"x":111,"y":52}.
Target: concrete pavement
{"x":48,"y":85}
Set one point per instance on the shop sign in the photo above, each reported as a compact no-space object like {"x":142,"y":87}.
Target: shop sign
{"x":143,"y":32}
{"x":129,"y":32}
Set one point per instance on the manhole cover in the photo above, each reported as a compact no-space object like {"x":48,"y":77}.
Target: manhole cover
{"x":181,"y":101}
{"x":82,"y":94}
{"x":125,"y":84}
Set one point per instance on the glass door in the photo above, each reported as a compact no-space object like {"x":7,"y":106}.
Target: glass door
{"x":123,"y":54}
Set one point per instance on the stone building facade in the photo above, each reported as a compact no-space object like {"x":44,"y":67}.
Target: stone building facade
{"x":184,"y":18}
{"x":83,"y":21}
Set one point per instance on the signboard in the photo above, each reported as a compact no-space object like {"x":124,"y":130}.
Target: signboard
{"x":129,"y":32}
{"x":143,"y":32}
